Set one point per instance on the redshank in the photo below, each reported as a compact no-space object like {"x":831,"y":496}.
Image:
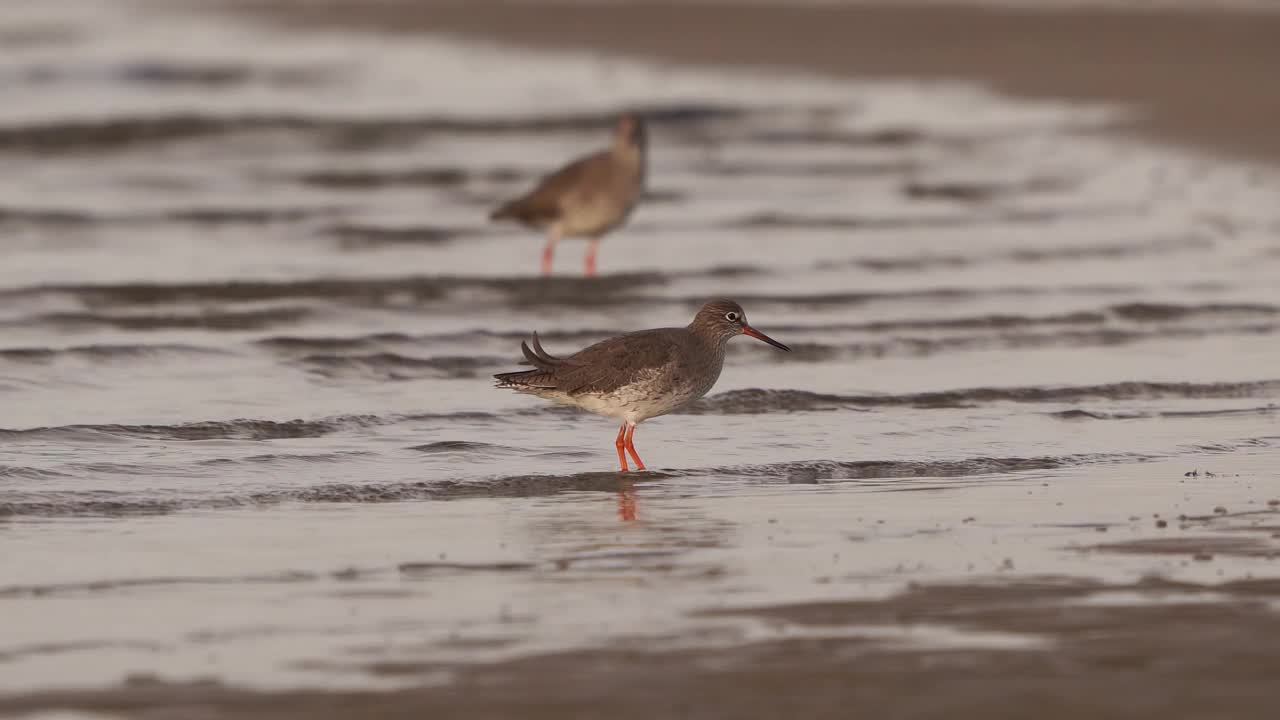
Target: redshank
{"x":639,"y":375}
{"x":588,"y":197}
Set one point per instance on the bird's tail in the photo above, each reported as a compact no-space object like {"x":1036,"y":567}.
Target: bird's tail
{"x":541,"y":376}
{"x":506,"y":211}
{"x":531,"y":210}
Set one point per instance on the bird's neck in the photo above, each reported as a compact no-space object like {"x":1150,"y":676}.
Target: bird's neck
{"x":629,"y":153}
{"x":714,"y":342}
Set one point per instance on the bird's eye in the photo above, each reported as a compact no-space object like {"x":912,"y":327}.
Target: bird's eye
{"x":731,"y":316}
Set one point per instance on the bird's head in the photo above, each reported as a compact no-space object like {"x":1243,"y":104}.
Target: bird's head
{"x":723,"y":320}
{"x":630,"y":132}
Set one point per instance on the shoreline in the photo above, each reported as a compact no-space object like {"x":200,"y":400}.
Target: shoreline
{"x":1210,"y":98}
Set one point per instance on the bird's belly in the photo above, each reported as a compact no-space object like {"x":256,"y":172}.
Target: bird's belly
{"x":641,"y":401}
{"x":595,"y":217}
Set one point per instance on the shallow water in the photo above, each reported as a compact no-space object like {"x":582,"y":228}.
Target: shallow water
{"x":250,"y":308}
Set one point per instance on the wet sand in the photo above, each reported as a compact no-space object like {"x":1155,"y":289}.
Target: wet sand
{"x":754,"y":604}
{"x":1179,"y":658}
{"x":1202,"y":76}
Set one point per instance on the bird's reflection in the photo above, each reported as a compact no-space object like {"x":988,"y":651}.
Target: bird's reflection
{"x":627,"y":504}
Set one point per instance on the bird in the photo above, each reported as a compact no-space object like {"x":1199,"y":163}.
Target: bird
{"x":639,"y":375}
{"x":589,"y":197}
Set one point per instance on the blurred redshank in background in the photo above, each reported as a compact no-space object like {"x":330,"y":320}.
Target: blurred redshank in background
{"x":587,"y":198}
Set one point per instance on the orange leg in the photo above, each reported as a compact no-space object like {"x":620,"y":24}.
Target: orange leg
{"x":549,"y":250}
{"x":631,"y":447}
{"x":621,"y":445}
{"x":593,"y":245}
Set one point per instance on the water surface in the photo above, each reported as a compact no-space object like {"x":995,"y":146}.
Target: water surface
{"x":250,"y":308}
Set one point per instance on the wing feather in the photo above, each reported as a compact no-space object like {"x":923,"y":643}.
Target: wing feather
{"x":545,"y":202}
{"x":612,"y":363}
{"x":600,"y":368}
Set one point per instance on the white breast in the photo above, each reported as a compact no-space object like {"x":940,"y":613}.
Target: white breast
{"x":657,"y":392}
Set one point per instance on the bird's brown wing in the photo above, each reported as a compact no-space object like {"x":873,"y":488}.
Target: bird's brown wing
{"x":544,"y":203}
{"x":612,"y":363}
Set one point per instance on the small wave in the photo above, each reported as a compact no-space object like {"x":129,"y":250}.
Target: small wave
{"x":104,"y":353}
{"x":1191,"y":545}
{"x":1080,"y":414}
{"x":122,"y":504}
{"x":192,"y":215}
{"x":99,"y":586}
{"x":332,"y":344}
{"x":246,"y":428}
{"x":418,"y":568}
{"x":926,"y":346}
{"x":377,"y":341}
{"x":396,"y":291}
{"x":116,"y":504}
{"x":860,"y":298}
{"x":368,"y":236}
{"x":41,"y":649}
{"x":28,"y":473}
{"x":461,"y":446}
{"x":42,"y":216}
{"x":771,"y":220}
{"x":241,"y":429}
{"x":813,"y":471}
{"x":207,"y":75}
{"x":753,"y":401}
{"x":806,"y":170}
{"x":38,"y":35}
{"x":727,"y":271}
{"x":782,"y":220}
{"x":1165,"y":312}
{"x":245,"y":215}
{"x":205,"y":320}
{"x":277,"y":458}
{"x":884,"y":137}
{"x":1263,"y":410}
{"x":79,"y":136}
{"x":217,"y":75}
{"x":822,"y":300}
{"x":419,"y":177}
{"x":919,"y":263}
{"x":977,"y":322}
{"x":982,"y":192}
{"x":394,"y":366}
